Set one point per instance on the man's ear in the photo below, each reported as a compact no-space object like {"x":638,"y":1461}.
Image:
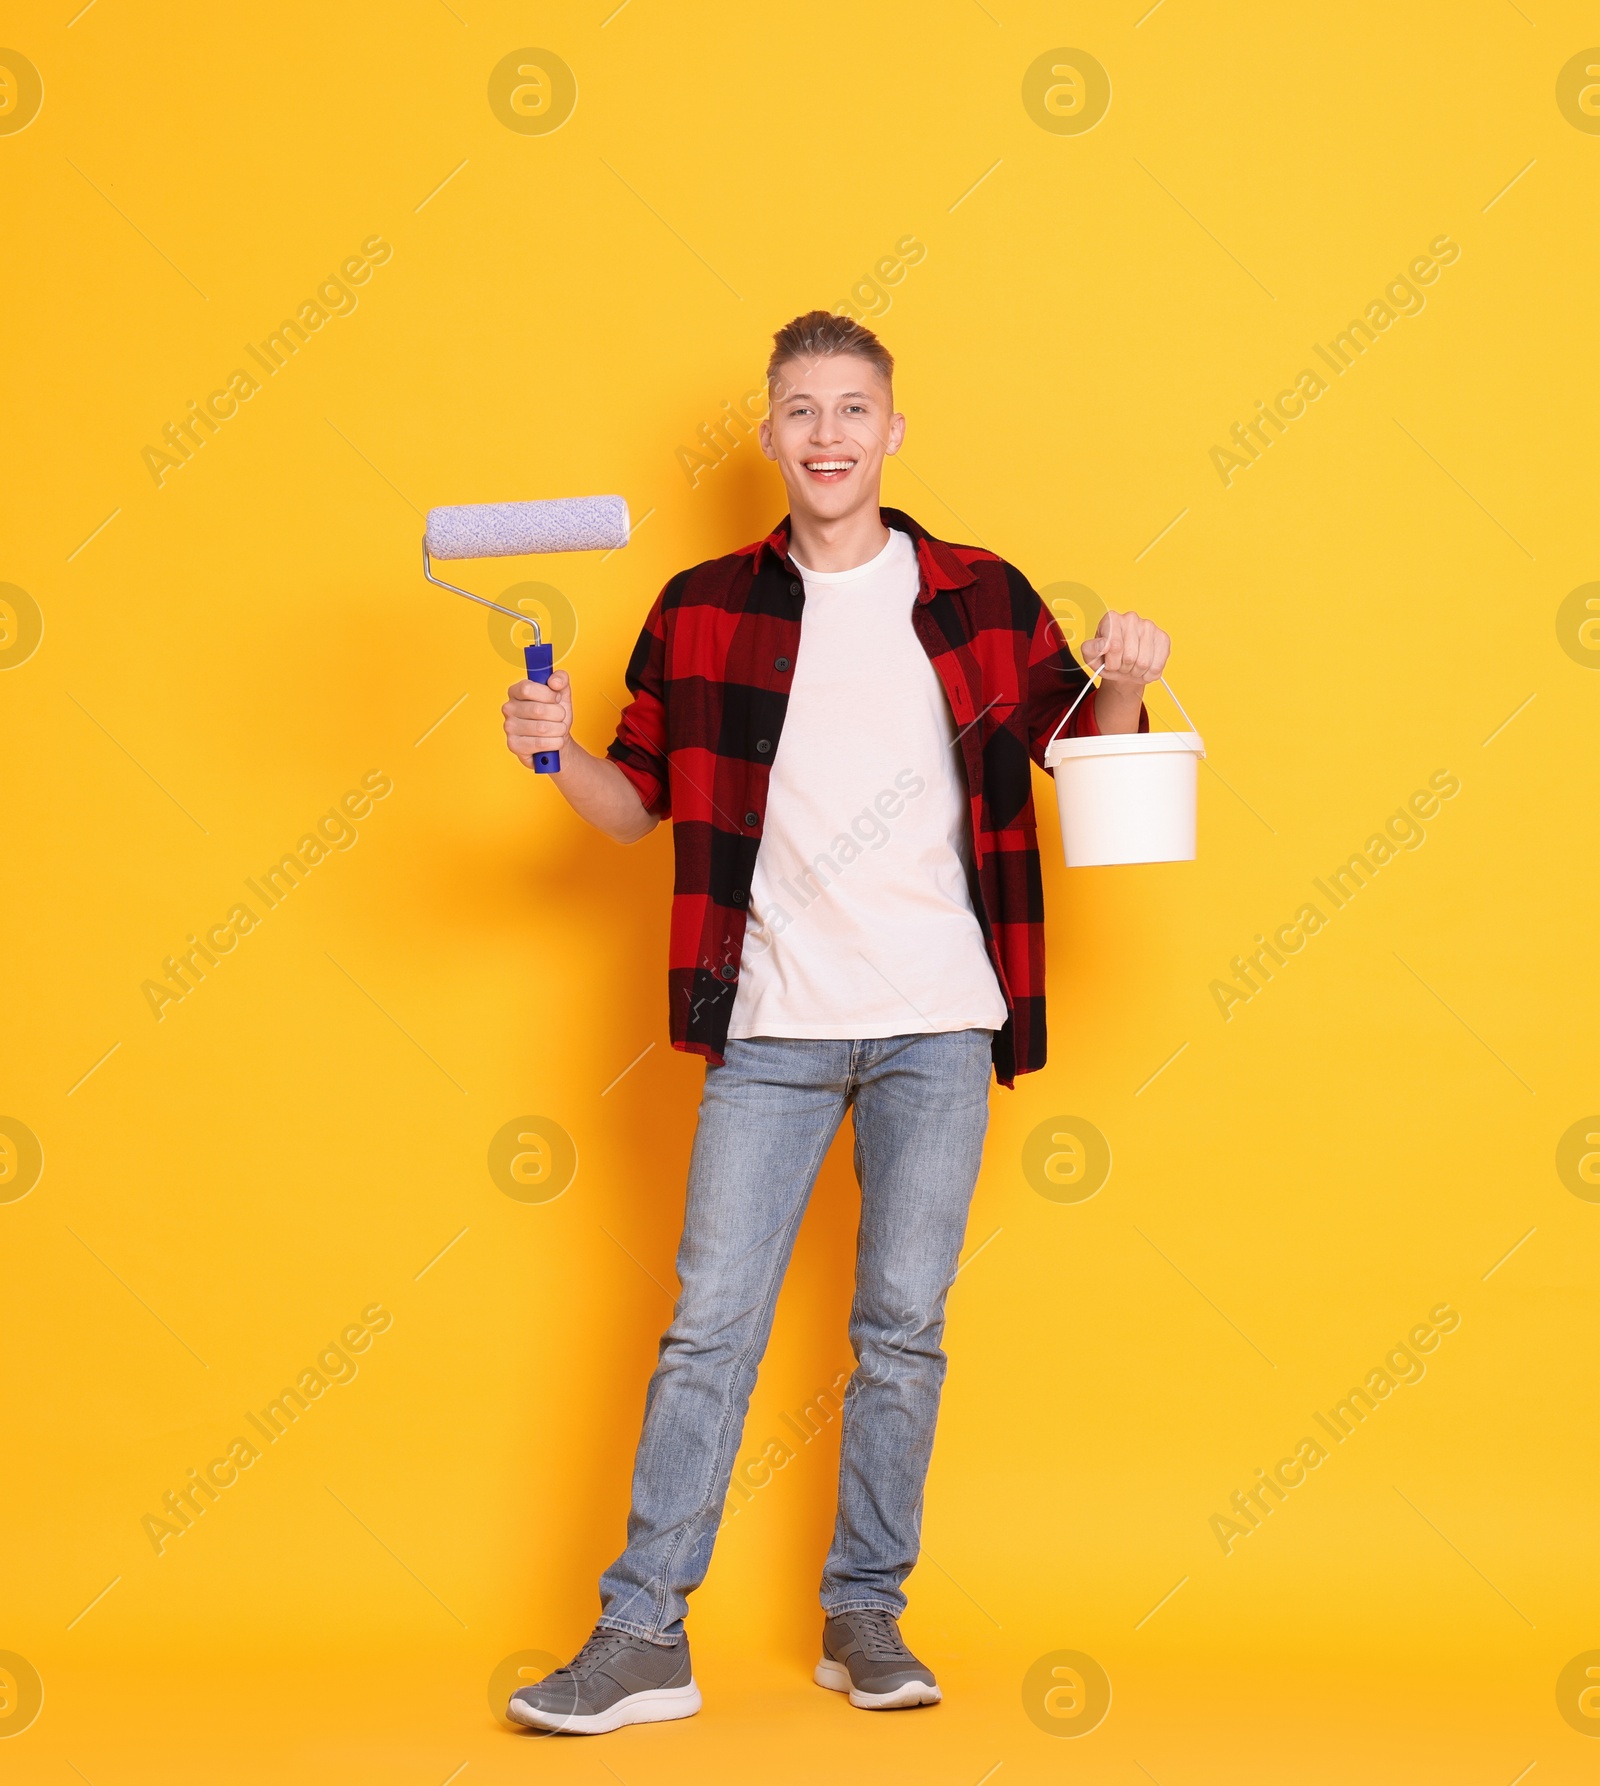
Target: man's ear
{"x":764,"y":435}
{"x":897,"y":433}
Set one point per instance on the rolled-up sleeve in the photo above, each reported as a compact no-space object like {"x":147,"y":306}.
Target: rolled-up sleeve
{"x":639,"y":749}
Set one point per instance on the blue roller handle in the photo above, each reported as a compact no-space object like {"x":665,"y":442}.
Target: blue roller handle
{"x":540,"y":660}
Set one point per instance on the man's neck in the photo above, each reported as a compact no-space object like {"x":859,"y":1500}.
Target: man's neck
{"x":837,"y":545}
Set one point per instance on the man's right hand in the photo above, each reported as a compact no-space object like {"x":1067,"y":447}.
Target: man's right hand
{"x":538,"y":717}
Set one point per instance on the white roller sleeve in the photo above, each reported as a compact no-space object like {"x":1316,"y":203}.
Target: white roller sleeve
{"x":510,"y":529}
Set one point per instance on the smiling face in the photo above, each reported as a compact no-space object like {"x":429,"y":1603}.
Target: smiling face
{"x":830,"y":423}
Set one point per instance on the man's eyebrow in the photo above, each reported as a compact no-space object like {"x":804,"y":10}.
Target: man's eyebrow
{"x":792,"y":396}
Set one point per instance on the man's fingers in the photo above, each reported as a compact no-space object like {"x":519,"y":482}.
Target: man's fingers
{"x":1152,"y":651}
{"x":537,"y":717}
{"x":537,"y":710}
{"x":1112,"y":660}
{"x":1151,"y":655}
{"x":538,"y":691}
{"x":1127,"y":648}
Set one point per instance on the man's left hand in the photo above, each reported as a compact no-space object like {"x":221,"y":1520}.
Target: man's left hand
{"x":1127,"y":650}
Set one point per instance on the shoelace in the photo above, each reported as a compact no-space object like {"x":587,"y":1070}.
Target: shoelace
{"x":598,"y":1648}
{"x":880,"y":1635}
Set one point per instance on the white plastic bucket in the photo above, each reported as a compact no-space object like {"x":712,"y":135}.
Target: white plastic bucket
{"x":1128,"y":797}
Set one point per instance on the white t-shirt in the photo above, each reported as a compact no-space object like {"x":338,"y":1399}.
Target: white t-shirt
{"x":860,"y":919}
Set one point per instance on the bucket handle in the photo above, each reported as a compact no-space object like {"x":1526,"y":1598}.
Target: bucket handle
{"x":1094,"y":682}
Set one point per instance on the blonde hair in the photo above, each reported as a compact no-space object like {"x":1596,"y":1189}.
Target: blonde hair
{"x":820,"y":333}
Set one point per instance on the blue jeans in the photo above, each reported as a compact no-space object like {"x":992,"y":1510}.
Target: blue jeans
{"x":920,"y":1106}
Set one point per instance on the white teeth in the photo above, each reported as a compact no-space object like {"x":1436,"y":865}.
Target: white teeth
{"x":829,"y":464}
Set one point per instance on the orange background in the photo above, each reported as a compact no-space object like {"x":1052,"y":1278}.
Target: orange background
{"x":1292,"y":1189}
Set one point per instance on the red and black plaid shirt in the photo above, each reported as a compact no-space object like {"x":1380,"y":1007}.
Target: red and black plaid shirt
{"x":710,"y":678}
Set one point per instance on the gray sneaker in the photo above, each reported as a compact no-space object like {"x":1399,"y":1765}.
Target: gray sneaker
{"x":864,"y":1655}
{"x":615,"y":1679}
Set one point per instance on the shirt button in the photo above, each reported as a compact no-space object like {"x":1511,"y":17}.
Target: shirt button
{"x":729,"y":973}
{"x":739,"y":896}
{"x":752,"y":819}
{"x":763,"y":745}
{"x":780,"y":663}
{"x":796,"y":589}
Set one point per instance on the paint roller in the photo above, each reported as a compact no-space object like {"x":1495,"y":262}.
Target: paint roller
{"x":510,"y":530}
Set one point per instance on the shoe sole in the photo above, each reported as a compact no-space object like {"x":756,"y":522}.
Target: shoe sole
{"x":656,"y":1706}
{"x":836,"y":1677}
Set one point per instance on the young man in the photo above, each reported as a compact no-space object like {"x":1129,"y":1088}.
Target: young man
{"x":839,"y":721}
